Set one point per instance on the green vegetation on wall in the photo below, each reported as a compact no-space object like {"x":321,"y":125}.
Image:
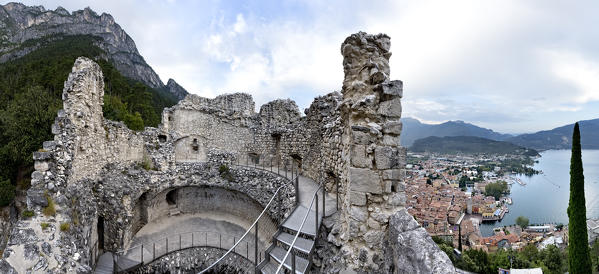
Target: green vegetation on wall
{"x":31,"y":90}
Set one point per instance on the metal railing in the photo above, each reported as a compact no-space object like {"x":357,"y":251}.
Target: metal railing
{"x":254,"y":226}
{"x":147,"y":252}
{"x":313,"y":202}
{"x":291,"y":175}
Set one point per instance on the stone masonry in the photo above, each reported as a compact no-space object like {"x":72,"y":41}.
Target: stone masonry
{"x":98,"y":175}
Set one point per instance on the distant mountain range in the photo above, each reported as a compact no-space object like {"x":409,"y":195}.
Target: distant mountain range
{"x":561,"y":137}
{"x":414,"y":130}
{"x":557,"y":138}
{"x":468,"y":145}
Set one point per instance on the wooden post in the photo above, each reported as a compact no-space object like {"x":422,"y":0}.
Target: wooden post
{"x":166,"y":245}
{"x":153,"y":251}
{"x":142,"y":254}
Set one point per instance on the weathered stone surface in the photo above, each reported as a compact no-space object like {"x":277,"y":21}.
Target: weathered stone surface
{"x":359,"y":158}
{"x":365,"y":180}
{"x":385,"y":157}
{"x":361,"y":137}
{"x":6,"y":268}
{"x":391,"y":108}
{"x":41,"y":155}
{"x":392,"y":174}
{"x":393,"y":127}
{"x":358,"y":213}
{"x":412,"y":250}
{"x":391,"y":88}
{"x":358,"y":198}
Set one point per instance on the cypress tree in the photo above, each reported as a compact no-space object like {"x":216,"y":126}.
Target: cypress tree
{"x":578,"y":249}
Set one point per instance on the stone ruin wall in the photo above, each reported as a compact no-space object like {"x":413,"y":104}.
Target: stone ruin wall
{"x":351,"y":138}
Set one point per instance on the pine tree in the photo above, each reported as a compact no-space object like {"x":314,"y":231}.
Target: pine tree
{"x":578,"y":249}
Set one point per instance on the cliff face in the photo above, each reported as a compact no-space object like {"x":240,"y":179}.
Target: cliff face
{"x":23,"y":27}
{"x":177,"y":90}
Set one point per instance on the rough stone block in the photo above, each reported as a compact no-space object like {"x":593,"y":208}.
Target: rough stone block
{"x":36,"y":198}
{"x":392,"y":174}
{"x":412,"y":248}
{"x":49,"y":145}
{"x":42,"y":155}
{"x":387,"y":185}
{"x":37,"y":175}
{"x":374,"y":239}
{"x":359,"y":158}
{"x":398,"y":199}
{"x":391,"y":88}
{"x":393,"y":127}
{"x":391,"y":108}
{"x":357,"y":198}
{"x":361,"y":137}
{"x":41,"y":166}
{"x":391,"y":140}
{"x":372,"y":223}
{"x":384,"y":157}
{"x":358,"y":213}
{"x":365,"y":180}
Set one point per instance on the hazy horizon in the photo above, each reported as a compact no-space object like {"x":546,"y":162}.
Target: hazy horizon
{"x":505,"y":65}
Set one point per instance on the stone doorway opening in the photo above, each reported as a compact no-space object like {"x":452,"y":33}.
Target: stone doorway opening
{"x":100,"y":229}
{"x":171,"y":197}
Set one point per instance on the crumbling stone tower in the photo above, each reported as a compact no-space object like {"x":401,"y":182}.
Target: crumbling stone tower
{"x":373,"y":156}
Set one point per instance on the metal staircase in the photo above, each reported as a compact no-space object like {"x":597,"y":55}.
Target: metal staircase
{"x":294,"y":243}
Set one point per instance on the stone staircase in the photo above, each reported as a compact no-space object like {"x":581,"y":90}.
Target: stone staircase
{"x":283,"y":239}
{"x":173,"y":210}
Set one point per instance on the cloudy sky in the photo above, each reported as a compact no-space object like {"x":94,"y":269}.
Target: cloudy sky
{"x":513,"y":66}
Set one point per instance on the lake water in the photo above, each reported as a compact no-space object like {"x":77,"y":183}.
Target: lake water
{"x":545,"y":197}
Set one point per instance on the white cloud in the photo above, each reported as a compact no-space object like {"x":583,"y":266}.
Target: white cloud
{"x":472,"y":60}
{"x":579,"y":71}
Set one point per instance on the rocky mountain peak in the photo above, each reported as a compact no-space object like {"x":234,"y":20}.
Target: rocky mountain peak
{"x":22,"y":23}
{"x":174,"y":88}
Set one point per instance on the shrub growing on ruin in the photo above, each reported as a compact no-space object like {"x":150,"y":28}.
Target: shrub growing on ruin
{"x":27,"y":214}
{"x":65,"y":226}
{"x":44,"y":225}
{"x":7,"y":192}
{"x":225,"y":173}
{"x":49,"y":210}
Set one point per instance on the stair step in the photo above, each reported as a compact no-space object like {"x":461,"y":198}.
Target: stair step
{"x":301,"y":244}
{"x":269,"y":268}
{"x":294,"y":221}
{"x":278,"y":253}
{"x":174,"y":211}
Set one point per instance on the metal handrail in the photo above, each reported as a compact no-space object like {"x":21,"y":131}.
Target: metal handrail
{"x":314,"y":196}
{"x":245,"y":234}
{"x":170,"y":236}
{"x":255,"y":166}
{"x":257,"y":219}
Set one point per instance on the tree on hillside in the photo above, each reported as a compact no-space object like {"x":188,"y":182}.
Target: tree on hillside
{"x":579,"y":259}
{"x":522,"y":222}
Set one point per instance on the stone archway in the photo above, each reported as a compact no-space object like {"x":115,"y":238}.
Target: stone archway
{"x":209,"y":216}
